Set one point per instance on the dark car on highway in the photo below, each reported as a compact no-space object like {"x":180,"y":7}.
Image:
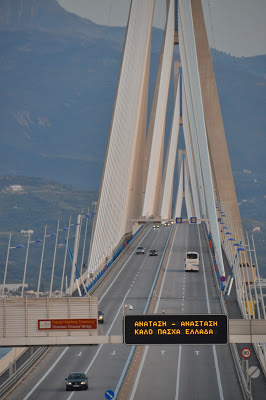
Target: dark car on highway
{"x":76,"y":380}
{"x":100,"y":317}
{"x":153,"y":253}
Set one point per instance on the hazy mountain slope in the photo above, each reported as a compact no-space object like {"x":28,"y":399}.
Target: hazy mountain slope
{"x":58,"y":86}
{"x":58,"y":76}
{"x":40,"y":203}
{"x":242,"y":92}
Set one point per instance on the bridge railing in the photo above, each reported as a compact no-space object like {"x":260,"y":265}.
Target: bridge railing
{"x":233,"y":346}
{"x":249,"y":306}
{"x":100,"y":273}
{"x":20,"y":373}
{"x":45,"y":263}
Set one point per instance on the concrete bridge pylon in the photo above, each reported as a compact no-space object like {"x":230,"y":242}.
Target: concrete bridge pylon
{"x":225,"y":193}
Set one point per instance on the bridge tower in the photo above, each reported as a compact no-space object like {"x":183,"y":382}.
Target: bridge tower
{"x":133,"y":182}
{"x":224,"y":189}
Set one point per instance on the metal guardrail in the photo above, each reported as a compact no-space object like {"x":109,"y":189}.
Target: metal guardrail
{"x":147,"y":307}
{"x":17,"y":377}
{"x":241,"y":378}
{"x":118,"y":257}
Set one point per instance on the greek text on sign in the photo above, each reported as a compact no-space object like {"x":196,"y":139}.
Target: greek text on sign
{"x":176,"y":329}
{"x":44,"y":324}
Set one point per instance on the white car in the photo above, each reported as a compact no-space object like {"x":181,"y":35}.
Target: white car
{"x":140,"y":250}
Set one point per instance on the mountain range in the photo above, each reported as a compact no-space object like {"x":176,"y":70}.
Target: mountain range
{"x":58,"y":77}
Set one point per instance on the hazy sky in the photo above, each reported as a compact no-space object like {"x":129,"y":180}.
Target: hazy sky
{"x":237,"y":27}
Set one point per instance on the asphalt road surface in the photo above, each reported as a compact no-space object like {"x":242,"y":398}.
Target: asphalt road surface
{"x":165,"y":372}
{"x":187,"y":371}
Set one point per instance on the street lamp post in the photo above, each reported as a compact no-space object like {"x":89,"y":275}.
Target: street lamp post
{"x":52,"y":276}
{"x":41,"y":264}
{"x":42,"y":256}
{"x":26,"y":262}
{"x":7,"y":258}
{"x":75,"y":255}
{"x":25,"y":267}
{"x":130,"y":307}
{"x":65,"y":257}
{"x":84,"y":241}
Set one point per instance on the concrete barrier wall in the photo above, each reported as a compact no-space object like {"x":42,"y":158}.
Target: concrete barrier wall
{"x":11,"y":357}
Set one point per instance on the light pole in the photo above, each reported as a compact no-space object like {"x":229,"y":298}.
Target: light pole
{"x":7,"y":257}
{"x":87,"y":216}
{"x":26,"y":262}
{"x":65,"y":257}
{"x":75,"y":254}
{"x":42,"y":256}
{"x":130,"y":307}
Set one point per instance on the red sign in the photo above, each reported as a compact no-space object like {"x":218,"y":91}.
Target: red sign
{"x":246,"y":352}
{"x":44,"y":324}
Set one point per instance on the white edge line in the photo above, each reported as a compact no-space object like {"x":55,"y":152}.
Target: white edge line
{"x":109,"y":287}
{"x":178,"y":373}
{"x":209,"y":311}
{"x":65,"y":350}
{"x":47,"y":373}
{"x":156,"y":308}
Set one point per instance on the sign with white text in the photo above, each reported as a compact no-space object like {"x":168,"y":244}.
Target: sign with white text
{"x":44,"y":324}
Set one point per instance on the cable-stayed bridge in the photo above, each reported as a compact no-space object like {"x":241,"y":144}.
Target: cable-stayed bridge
{"x":136,"y":196}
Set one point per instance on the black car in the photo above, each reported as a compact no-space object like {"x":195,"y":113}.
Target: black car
{"x":100,"y":317}
{"x":153,"y":253}
{"x":76,"y":380}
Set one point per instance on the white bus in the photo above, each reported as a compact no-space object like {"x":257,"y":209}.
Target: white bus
{"x":192,"y":261}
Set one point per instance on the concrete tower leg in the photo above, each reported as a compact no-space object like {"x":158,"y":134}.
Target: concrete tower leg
{"x":222,"y":173}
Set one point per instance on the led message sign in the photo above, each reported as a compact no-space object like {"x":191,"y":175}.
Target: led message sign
{"x":176,"y":329}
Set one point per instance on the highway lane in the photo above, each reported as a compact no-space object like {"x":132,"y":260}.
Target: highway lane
{"x":175,"y":372}
{"x":128,"y":284}
{"x":186,"y":371}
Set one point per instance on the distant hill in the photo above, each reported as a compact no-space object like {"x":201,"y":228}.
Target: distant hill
{"x":251,"y":189}
{"x":242,"y":91}
{"x":31,"y":204}
{"x":58,"y":76}
{"x":44,"y":202}
{"x":58,"y":79}
{"x":40,"y":202}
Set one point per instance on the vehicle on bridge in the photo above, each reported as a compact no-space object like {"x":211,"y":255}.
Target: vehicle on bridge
{"x":192,"y":261}
{"x":140,"y":250}
{"x":100,"y":317}
{"x":167,"y":223}
{"x":76,"y":380}
{"x":153,"y":252}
